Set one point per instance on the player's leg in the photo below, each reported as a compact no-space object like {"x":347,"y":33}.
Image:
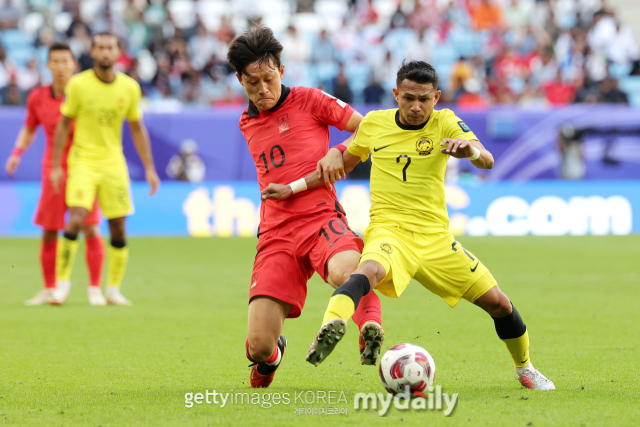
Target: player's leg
{"x":454,"y":273}
{"x":387,"y":264}
{"x":50,"y":216}
{"x":80,"y":193}
{"x":278,"y":290}
{"x":265,"y":343}
{"x":94,"y":257}
{"x":48,"y":265}
{"x":118,"y":260}
{"x":368,"y":314}
{"x":66,"y":253}
{"x":513,"y":332}
{"x":115,"y":200}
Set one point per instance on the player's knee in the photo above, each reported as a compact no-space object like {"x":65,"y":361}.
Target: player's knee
{"x":261,"y":349}
{"x":339,"y":276}
{"x":499,"y":306}
{"x":91,"y":231}
{"x":74,"y":225}
{"x":374,"y":272}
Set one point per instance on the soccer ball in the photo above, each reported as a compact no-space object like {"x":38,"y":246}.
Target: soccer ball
{"x":407,"y":365}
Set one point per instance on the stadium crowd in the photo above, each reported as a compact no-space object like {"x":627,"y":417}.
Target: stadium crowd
{"x":525,"y":52}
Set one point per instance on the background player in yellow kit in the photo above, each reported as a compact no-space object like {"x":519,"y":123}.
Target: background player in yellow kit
{"x":99,"y":100}
{"x":408,"y":236}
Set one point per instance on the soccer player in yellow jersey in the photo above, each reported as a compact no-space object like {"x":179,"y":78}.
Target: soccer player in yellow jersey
{"x":408,"y":236}
{"x":99,"y":100}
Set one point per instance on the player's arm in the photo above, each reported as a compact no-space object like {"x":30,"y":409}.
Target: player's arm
{"x":61,"y":138}
{"x":23,"y":142}
{"x":141,"y":140}
{"x":331,"y":168}
{"x":468,"y":149}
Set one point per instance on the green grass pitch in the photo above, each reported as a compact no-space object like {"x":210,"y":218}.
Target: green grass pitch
{"x":121,"y":366}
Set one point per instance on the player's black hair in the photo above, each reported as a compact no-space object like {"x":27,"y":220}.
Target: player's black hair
{"x":256,"y":44}
{"x":419,"y":72}
{"x":59,"y":46}
{"x":103,"y":33}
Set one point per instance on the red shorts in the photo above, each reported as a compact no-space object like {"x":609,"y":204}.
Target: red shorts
{"x":52,"y":207}
{"x":288,"y":256}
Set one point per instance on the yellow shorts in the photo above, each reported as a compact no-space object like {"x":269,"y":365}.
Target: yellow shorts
{"x":437,"y":261}
{"x":111,"y":184}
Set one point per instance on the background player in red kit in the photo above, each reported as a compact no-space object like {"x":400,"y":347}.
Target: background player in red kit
{"x":288,"y":137}
{"x":43,"y":108}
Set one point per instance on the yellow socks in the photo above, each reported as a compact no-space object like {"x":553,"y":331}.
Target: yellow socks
{"x":346,"y":298}
{"x":118,"y":258}
{"x":66,"y":255}
{"x":340,"y":306}
{"x":519,"y":349}
{"x":512,"y":330}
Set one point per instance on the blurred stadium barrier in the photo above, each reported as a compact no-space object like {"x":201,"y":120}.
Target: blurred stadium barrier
{"x":525,"y":143}
{"x":232,"y":208}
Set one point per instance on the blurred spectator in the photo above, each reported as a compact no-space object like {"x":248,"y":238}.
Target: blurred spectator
{"x":470,"y":96}
{"x":374,"y":92}
{"x":9,"y":16}
{"x":610,"y":93}
{"x":485,"y":15}
{"x":341,"y":88}
{"x":6,"y":70}
{"x":532,"y":97}
{"x":202,"y":46}
{"x":462,"y":71}
{"x":323,"y":49}
{"x":187,"y":165}
{"x":515,"y":48}
{"x":559,"y":92}
{"x":11,"y":94}
{"x":296,"y":48}
{"x":28,"y":78}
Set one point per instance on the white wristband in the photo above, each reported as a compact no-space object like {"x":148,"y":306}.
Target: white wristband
{"x":475,"y":155}
{"x":298,"y":186}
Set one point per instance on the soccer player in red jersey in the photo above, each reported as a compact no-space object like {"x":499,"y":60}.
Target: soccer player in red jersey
{"x":43,"y":108}
{"x":288,"y":137}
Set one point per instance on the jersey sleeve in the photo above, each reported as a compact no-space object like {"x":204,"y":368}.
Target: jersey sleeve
{"x":328,"y":109}
{"x":135,"y":113}
{"x":31,"y":120}
{"x":71,"y":103}
{"x":360,"y":145}
{"x":453,"y":127}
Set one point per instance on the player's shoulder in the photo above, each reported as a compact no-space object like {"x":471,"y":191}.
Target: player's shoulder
{"x":38,"y":93}
{"x":127,"y":80}
{"x":379,"y":117}
{"x":82,"y":77}
{"x":444,"y":115}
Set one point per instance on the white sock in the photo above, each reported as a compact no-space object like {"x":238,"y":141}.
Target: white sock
{"x":278,"y":359}
{"x":520,"y":370}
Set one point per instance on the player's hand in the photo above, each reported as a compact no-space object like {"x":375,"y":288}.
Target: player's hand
{"x":331,"y":168}
{"x":154,"y":182}
{"x":56,"y":177}
{"x":12,"y":165}
{"x":276,"y":192}
{"x":458,"y":148}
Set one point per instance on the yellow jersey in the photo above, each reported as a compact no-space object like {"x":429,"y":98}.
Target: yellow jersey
{"x":407,"y":173}
{"x":99,"y":109}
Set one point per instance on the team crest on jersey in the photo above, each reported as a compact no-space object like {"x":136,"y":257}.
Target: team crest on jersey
{"x":283,"y":124}
{"x":387,"y":248}
{"x":424,"y":146}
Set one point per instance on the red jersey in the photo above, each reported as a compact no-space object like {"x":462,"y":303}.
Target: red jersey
{"x":286,"y":143}
{"x":43,"y":108}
